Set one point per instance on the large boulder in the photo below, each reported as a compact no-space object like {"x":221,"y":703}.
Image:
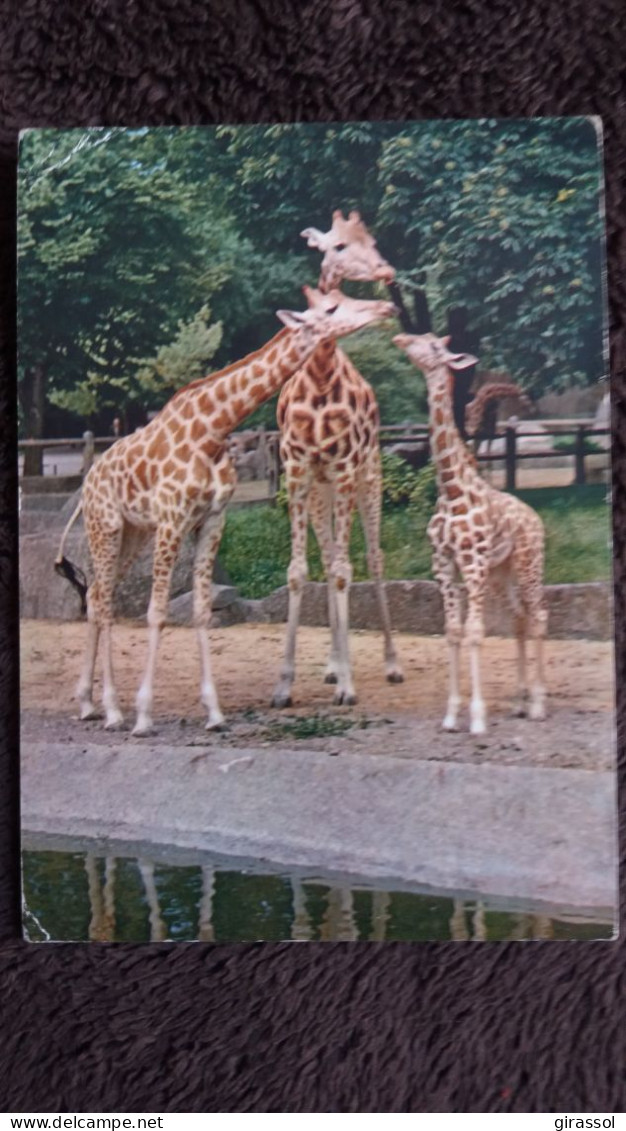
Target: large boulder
{"x":228,"y":608}
{"x":43,"y":593}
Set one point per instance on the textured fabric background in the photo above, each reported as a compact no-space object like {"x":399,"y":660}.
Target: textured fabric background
{"x":321,"y":1027}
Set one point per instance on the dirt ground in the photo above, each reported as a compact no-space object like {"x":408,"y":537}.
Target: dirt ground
{"x":403,"y":719}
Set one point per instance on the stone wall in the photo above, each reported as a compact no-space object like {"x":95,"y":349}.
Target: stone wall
{"x":582,"y":611}
{"x":575,"y":611}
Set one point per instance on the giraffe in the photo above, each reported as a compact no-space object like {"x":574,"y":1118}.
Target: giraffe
{"x":328,"y":420}
{"x":173,"y":477}
{"x":481,"y":534}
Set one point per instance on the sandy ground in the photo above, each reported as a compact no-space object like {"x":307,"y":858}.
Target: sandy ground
{"x":403,"y":719}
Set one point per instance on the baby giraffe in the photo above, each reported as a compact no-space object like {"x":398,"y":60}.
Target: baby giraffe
{"x":478,"y":533}
{"x":175,"y":477}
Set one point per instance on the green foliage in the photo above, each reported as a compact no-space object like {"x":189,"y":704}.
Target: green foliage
{"x":186,"y":358}
{"x":255,"y":549}
{"x":399,"y":479}
{"x":399,"y":387}
{"x":424,"y":494}
{"x":308,"y":726}
{"x":404,"y":484}
{"x":502,"y":217}
{"x":566,"y":444}
{"x":578,"y":534}
{"x":125,"y":235}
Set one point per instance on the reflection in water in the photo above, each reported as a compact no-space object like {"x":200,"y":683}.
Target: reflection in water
{"x":205,"y":909}
{"x":101,"y":898}
{"x":301,"y":929}
{"x":75,"y":896}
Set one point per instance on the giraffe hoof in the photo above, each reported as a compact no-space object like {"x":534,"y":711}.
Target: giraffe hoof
{"x":114,"y":724}
{"x":219,"y":725}
{"x":88,"y":713}
{"x":330,"y":677}
{"x":345,"y":698}
{"x":537,"y":713}
{"x":142,"y":732}
{"x":280,"y":699}
{"x":396,"y":675}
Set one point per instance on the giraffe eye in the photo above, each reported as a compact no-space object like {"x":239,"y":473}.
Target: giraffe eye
{"x":332,"y":309}
{"x":340,"y":246}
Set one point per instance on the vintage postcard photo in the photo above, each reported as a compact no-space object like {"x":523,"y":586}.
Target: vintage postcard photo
{"x":315,"y":533}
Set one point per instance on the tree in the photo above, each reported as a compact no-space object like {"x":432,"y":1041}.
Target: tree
{"x":499,"y":217}
{"x":185,"y":358}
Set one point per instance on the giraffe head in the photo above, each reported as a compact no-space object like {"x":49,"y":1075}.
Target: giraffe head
{"x":350,"y":252}
{"x":334,"y":315}
{"x":431,"y":353}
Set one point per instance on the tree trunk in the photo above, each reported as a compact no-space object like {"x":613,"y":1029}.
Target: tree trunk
{"x":34,"y":411}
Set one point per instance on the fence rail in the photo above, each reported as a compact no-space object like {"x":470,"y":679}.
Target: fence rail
{"x":393,"y":434}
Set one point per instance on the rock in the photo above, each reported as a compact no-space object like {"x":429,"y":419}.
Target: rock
{"x":43,"y":593}
{"x":228,"y":608}
{"x":574,"y":611}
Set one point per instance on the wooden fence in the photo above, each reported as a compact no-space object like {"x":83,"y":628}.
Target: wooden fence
{"x":413,"y":435}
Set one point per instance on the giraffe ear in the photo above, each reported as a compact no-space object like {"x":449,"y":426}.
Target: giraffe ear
{"x":315,"y":238}
{"x":460,"y":360}
{"x":291,"y":319}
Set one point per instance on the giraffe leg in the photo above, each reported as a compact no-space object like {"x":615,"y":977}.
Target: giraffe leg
{"x":529,"y":569}
{"x":296,"y":577}
{"x":132,"y":541}
{"x":341,"y":575}
{"x":369,"y":502}
{"x":537,"y":627}
{"x":84,"y":690}
{"x":520,"y":701}
{"x":519,"y":706}
{"x":475,"y":629}
{"x":106,"y":546}
{"x":444,"y":569}
{"x":167,"y":545}
{"x":206,"y":549}
{"x":321,"y":514}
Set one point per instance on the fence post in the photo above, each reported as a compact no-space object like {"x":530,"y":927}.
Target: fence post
{"x":579,"y":456}
{"x":510,"y":441}
{"x":88,"y":452}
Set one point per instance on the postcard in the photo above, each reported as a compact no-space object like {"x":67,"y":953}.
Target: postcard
{"x":315,"y":533}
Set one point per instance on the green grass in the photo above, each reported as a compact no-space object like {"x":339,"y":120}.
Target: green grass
{"x":577,"y":522}
{"x":256,"y":547}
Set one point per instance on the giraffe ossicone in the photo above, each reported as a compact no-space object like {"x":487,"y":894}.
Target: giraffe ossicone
{"x":478,"y":534}
{"x":175,"y":477}
{"x":350,"y":252}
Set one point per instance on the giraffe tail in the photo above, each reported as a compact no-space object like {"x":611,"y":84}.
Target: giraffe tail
{"x":67,"y":569}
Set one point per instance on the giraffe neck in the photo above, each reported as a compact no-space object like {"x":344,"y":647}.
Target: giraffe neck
{"x":450,"y":455}
{"x":322,"y":363}
{"x":226,"y":398}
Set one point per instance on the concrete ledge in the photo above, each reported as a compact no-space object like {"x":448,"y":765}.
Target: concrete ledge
{"x":582,"y":611}
{"x":543,"y":835}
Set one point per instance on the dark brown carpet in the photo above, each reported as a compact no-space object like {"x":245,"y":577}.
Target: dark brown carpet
{"x":318,"y":1028}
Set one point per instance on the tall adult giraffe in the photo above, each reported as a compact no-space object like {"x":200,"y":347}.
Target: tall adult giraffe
{"x":478,"y":533}
{"x":175,"y":476}
{"x":329,"y":421}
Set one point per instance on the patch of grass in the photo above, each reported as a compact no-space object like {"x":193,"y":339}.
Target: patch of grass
{"x":577,"y":522}
{"x":566,"y":445}
{"x":256,"y":546}
{"x":309,"y":726}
